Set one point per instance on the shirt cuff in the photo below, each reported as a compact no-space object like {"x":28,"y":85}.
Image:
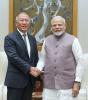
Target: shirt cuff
{"x":78,"y":79}
{"x":40,"y":66}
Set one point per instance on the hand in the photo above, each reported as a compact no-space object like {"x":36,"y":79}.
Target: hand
{"x":75,"y":89}
{"x":35,"y":71}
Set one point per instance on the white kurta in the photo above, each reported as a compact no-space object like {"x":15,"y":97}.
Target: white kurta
{"x":53,"y":94}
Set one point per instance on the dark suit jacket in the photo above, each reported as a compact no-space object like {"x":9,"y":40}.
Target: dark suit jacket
{"x":18,"y":60}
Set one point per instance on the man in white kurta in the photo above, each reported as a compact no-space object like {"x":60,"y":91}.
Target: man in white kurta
{"x":63,"y":74}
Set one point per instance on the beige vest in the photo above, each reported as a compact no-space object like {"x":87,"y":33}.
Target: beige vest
{"x":60,"y":65}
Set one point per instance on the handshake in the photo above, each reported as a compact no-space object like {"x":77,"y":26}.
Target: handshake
{"x":35,"y":71}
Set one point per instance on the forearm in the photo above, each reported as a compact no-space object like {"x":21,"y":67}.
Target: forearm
{"x":78,"y":54}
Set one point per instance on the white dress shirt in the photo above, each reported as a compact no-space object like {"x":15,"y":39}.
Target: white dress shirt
{"x":27,"y":40}
{"x":78,"y":54}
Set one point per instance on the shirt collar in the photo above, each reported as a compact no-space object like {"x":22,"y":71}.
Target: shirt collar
{"x":21,"y":32}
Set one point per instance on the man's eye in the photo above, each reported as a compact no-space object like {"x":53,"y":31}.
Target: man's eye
{"x":54,"y":25}
{"x":22,"y":20}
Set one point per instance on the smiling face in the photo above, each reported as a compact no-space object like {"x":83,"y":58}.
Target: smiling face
{"x":58,"y":25}
{"x":23,"y":22}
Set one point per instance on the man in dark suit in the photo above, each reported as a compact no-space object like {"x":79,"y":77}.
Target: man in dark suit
{"x":22,"y":57}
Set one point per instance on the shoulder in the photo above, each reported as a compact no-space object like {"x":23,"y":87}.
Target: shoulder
{"x":49,"y":37}
{"x":73,"y":37}
{"x":76,"y":40}
{"x":10,"y":35}
{"x":32,"y":38}
{"x":70,"y":36}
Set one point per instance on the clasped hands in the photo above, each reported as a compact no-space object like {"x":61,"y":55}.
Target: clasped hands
{"x":35,"y":71}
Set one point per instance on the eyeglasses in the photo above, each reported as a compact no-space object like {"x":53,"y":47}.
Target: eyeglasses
{"x":24,"y":20}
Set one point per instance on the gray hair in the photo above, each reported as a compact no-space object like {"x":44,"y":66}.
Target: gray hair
{"x":17,"y":17}
{"x":59,"y":18}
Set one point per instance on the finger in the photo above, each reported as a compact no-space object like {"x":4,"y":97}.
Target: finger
{"x":75,"y":93}
{"x":35,"y":74}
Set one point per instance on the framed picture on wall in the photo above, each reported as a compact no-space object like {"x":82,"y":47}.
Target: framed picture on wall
{"x":41,"y":12}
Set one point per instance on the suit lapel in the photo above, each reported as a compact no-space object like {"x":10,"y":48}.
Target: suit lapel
{"x":21,"y":42}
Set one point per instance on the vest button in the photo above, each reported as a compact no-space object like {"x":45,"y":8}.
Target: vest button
{"x":55,"y":60}
{"x":55,"y":67}
{"x":56,"y":46}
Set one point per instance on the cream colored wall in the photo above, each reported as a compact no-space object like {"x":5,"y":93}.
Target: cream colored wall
{"x":83,"y":23}
{"x":4,"y":29}
{"x":4,"y":20}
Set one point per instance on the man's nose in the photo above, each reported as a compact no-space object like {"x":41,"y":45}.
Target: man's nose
{"x":24,"y":21}
{"x":57,"y":26}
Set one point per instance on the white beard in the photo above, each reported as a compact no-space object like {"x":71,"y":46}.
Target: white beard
{"x":58,"y":33}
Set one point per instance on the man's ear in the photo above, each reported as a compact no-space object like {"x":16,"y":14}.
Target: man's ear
{"x":65,"y":26}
